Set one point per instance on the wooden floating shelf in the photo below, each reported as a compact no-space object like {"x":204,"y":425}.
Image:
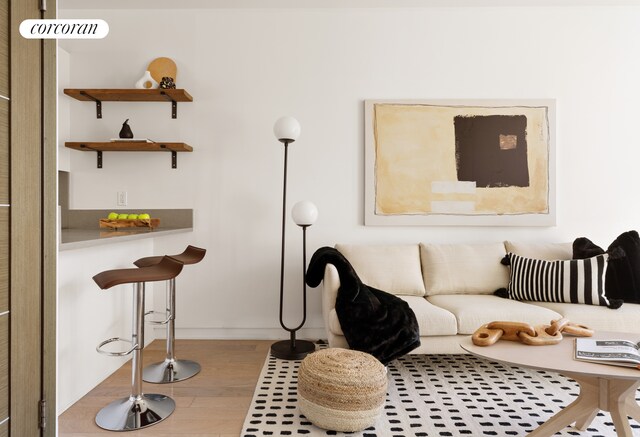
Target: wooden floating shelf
{"x":129,"y":95}
{"x":130,"y":146}
{"x":99,"y":95}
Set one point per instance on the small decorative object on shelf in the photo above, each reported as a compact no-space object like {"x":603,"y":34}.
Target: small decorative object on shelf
{"x":146,"y":81}
{"x":167,"y":83}
{"x":163,"y":67}
{"x":126,"y":131}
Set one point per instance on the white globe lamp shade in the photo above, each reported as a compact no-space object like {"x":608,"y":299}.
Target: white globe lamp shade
{"x":304,"y":213}
{"x":287,"y":129}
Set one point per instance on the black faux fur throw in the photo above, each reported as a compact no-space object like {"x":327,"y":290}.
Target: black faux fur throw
{"x":622,"y":280}
{"x":373,"y":321}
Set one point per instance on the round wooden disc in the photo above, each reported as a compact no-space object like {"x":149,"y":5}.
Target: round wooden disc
{"x":163,"y":67}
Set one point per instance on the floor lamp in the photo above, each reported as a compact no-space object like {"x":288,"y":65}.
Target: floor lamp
{"x":287,"y":130}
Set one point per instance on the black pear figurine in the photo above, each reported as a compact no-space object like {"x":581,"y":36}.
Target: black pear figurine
{"x":125,"y":132}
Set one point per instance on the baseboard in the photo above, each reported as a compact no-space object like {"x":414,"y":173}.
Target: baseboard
{"x":240,"y":333}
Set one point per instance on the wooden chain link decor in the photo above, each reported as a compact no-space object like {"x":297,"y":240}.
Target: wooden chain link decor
{"x":539,"y":335}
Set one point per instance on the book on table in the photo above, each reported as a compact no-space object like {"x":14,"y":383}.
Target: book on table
{"x":614,"y":352}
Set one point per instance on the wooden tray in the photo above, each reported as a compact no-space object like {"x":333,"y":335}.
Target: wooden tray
{"x":126,"y":223}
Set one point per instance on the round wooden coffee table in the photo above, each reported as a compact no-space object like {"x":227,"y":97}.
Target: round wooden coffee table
{"x":602,"y":387}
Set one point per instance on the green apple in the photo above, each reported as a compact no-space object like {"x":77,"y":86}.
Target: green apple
{"x":144,"y":216}
{"x":133,"y":216}
{"x":122,"y":216}
{"x":112,"y":215}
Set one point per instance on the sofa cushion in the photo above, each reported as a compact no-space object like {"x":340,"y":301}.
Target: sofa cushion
{"x":432,"y":320}
{"x":599,"y":318}
{"x":570,"y":281}
{"x":547,"y":251}
{"x":394,"y":269}
{"x":623,"y":272}
{"x":473,"y":311}
{"x":463,"y":268}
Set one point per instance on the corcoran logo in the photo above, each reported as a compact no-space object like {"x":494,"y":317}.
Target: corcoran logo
{"x":64,"y":29}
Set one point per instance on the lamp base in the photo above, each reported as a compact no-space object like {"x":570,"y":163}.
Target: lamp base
{"x":284,"y":351}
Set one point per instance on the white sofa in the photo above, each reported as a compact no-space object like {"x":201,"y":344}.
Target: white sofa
{"x":450,"y":289}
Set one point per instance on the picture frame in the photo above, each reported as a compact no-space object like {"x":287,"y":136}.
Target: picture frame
{"x":460,"y":162}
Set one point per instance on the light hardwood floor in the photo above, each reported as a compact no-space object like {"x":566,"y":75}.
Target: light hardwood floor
{"x":211,"y":404}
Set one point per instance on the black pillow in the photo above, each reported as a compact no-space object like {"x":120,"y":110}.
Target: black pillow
{"x":623,"y":270}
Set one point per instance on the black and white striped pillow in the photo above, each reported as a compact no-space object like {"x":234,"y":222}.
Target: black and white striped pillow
{"x":567,"y":281}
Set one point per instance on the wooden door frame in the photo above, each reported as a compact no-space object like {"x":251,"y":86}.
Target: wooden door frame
{"x":33,"y":242}
{"x":50,"y":225}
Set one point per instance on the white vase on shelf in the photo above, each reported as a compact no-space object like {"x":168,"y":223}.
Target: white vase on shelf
{"x":146,"y":82}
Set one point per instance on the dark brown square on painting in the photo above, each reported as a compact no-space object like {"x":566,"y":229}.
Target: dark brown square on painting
{"x":491,"y":150}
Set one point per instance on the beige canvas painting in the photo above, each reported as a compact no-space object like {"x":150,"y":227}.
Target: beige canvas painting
{"x":460,"y":163}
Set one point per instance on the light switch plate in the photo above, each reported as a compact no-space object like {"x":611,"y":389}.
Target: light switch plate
{"x":122,"y":198}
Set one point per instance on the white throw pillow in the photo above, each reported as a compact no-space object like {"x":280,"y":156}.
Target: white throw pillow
{"x":546,"y":251}
{"x":394,"y":269}
{"x":463,"y":268}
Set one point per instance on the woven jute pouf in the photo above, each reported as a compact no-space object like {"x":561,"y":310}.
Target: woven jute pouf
{"x":341,"y":389}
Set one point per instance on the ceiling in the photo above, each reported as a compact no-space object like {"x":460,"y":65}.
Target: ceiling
{"x":267,"y":4}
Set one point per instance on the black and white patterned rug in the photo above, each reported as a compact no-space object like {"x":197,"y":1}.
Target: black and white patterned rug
{"x":432,"y":396}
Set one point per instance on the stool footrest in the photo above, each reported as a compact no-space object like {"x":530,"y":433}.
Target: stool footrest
{"x":158,"y":322}
{"x":116,"y":354}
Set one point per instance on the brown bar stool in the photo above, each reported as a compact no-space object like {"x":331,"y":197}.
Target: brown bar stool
{"x":138,"y":410}
{"x":171,"y":369}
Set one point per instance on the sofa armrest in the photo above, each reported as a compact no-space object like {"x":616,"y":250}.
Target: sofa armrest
{"x":330,"y":286}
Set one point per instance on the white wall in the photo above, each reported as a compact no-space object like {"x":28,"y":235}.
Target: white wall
{"x":247,"y":67}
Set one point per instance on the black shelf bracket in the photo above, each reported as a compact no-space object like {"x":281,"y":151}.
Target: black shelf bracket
{"x":99,"y":154}
{"x":174,"y":105}
{"x":98,"y":103}
{"x":174,"y":156}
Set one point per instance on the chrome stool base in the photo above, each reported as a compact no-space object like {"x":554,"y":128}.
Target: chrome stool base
{"x":170,"y":370}
{"x":131,"y":413}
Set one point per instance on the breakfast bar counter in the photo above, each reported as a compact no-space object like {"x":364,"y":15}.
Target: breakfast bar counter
{"x":80,"y":238}
{"x":80,"y":228}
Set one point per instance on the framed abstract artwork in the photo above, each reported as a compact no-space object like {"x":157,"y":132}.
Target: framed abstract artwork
{"x":460,"y":162}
